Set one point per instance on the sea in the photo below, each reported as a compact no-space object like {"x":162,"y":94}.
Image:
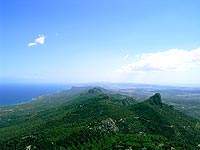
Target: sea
{"x":15,"y":93}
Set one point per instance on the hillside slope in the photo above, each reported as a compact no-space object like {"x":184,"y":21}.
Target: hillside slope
{"x":92,"y":119}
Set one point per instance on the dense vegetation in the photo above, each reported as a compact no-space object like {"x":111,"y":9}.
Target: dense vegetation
{"x":185,"y":99}
{"x":83,"y":118}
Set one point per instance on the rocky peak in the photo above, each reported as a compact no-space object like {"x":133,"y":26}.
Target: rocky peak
{"x":156,"y":99}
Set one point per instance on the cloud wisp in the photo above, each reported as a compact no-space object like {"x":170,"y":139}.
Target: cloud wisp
{"x":40,"y":40}
{"x":173,"y":59}
{"x":126,"y":56}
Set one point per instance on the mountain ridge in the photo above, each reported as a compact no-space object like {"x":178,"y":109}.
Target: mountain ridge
{"x":93,"y":116}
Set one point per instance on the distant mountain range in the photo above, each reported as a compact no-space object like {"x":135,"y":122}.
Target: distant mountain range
{"x":96,"y":118}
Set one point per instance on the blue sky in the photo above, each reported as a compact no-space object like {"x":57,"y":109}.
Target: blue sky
{"x":67,"y":41}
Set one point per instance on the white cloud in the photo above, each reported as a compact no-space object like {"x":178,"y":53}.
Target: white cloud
{"x":173,"y":59}
{"x":31,"y":44}
{"x":39,"y":40}
{"x":126,"y":56}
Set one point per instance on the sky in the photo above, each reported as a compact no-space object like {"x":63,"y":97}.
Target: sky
{"x":81,"y":41}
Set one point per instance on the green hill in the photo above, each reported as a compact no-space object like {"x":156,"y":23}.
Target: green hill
{"x":90,"y":118}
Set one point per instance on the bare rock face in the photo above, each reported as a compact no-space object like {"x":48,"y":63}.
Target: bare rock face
{"x":108,"y":125}
{"x":156,"y":99}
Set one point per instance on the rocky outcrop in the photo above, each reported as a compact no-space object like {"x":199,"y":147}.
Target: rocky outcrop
{"x":156,"y":99}
{"x":108,"y":126}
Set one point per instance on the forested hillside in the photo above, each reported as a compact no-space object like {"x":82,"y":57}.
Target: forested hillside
{"x":90,"y":118}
